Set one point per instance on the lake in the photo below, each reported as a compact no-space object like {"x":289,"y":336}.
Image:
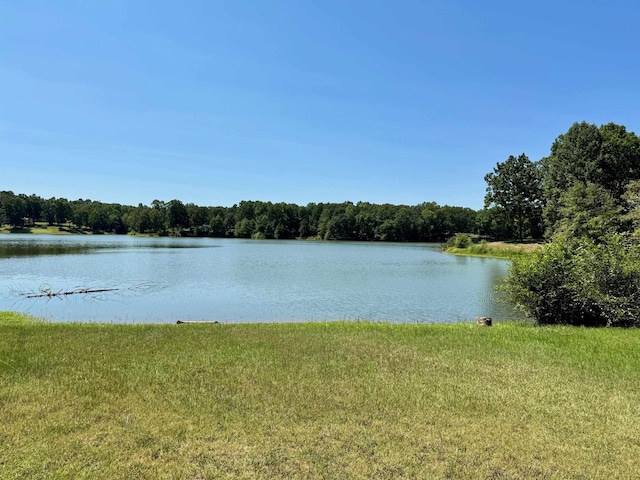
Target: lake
{"x":161,"y":280}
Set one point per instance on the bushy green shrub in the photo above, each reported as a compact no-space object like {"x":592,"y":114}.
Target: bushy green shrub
{"x":579,"y":282}
{"x":460,"y":240}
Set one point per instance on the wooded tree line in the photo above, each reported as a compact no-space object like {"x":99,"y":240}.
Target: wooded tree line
{"x":586,"y":184}
{"x":426,"y":222}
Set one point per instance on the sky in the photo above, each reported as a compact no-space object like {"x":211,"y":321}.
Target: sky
{"x":382,"y":101}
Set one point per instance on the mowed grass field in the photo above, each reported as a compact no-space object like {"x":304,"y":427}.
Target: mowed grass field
{"x":317,"y":400}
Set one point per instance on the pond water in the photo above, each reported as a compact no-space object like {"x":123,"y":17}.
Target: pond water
{"x":162,"y":280}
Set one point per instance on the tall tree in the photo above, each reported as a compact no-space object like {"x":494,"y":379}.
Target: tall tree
{"x":14,"y":208}
{"x":618,"y":160}
{"x":62,"y":210}
{"x":515,"y":187}
{"x":573,"y":158}
{"x":178,"y":214}
{"x":607,"y":156}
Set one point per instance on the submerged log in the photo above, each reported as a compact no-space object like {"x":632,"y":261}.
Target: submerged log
{"x":483,"y":321}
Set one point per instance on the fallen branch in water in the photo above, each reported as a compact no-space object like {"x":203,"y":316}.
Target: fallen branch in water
{"x":45,"y":291}
{"x":51,"y":294}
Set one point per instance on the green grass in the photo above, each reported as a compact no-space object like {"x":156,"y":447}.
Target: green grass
{"x":44,"y":228}
{"x":317,"y":400}
{"x":494,"y":250}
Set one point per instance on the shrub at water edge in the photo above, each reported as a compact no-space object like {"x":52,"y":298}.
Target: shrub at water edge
{"x":579,"y":282}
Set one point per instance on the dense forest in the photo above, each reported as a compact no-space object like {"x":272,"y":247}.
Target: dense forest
{"x":426,"y":222}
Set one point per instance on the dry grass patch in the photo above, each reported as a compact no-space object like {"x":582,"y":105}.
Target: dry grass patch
{"x":525,"y":247}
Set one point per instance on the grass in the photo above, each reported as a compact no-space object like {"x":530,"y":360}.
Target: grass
{"x":495,"y":249}
{"x":44,"y":228}
{"x":317,"y":400}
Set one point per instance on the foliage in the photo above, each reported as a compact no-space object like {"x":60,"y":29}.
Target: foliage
{"x":579,"y":281}
{"x":177,"y":214}
{"x":490,"y":222}
{"x":515,"y":187}
{"x":13,"y":208}
{"x":426,"y":222}
{"x":460,"y":240}
{"x":587,"y":210}
{"x":607,"y":156}
{"x":631,"y":199}
{"x":590,"y":273}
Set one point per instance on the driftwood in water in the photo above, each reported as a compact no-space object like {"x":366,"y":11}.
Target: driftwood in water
{"x":180,"y":322}
{"x":50,"y":294}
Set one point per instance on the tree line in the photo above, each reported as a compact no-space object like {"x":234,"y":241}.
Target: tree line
{"x":426,"y":222}
{"x":586,"y":184}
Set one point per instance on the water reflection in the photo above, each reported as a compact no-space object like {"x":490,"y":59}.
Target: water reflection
{"x":31,"y":249}
{"x":12,"y":248}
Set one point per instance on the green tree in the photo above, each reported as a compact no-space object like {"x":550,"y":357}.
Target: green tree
{"x":177,"y":214}
{"x":607,"y":156}
{"x":159,"y":222}
{"x":515,"y":187}
{"x":98,"y":218}
{"x":138,"y":219}
{"x":33,"y":205}
{"x":587,"y":210}
{"x":573,"y":158}
{"x":216,"y":226}
{"x":62,"y":210}
{"x":80,"y":215}
{"x":198,"y":216}
{"x":490,"y":223}
{"x":618,"y":160}
{"x":244,"y":228}
{"x":14,"y":208}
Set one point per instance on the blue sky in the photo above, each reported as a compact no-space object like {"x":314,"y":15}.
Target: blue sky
{"x":214,"y":102}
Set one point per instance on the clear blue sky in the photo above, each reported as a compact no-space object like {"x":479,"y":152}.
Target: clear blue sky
{"x":214,"y":102}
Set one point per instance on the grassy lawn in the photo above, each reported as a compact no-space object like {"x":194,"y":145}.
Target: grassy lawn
{"x":317,"y":400}
{"x":44,"y":228}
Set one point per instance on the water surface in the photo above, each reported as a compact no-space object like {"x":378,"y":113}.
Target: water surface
{"x":231,"y":280}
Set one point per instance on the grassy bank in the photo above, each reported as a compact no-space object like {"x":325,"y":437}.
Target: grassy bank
{"x":44,"y":228}
{"x":495,"y":249}
{"x":317,"y":400}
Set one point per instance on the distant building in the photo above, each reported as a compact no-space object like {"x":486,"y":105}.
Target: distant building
{"x":27,"y":222}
